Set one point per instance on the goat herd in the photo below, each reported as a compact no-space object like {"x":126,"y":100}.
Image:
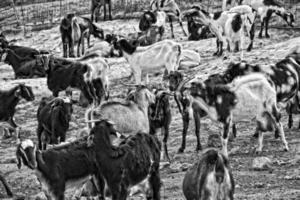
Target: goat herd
{"x":118,"y":156}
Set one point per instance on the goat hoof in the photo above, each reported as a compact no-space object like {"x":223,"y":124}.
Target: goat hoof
{"x":258,"y":152}
{"x":255,"y":135}
{"x":180,"y":150}
{"x":267,"y":36}
{"x":286,"y":149}
{"x":276,"y":135}
{"x":260,"y":36}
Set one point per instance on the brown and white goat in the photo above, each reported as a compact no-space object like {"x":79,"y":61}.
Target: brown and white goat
{"x":246,"y":97}
{"x":131,"y":162}
{"x":61,"y":167}
{"x":265,"y":9}
{"x":210,"y":178}
{"x":96,"y":6}
{"x":171,"y":8}
{"x":73,"y":30}
{"x":161,"y":55}
{"x":184,"y":100}
{"x":88,"y":74}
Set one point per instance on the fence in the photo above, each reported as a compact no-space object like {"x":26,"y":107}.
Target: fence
{"x":41,"y":14}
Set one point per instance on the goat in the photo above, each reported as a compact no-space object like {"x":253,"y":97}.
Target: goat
{"x":210,"y":178}
{"x":73,"y":30}
{"x":53,"y":121}
{"x":247,"y":96}
{"x":160,"y":117}
{"x":6,"y":186}
{"x":96,"y":6}
{"x":9,"y":100}
{"x":197,"y":31}
{"x":228,"y":23}
{"x":285,"y":75}
{"x":84,"y":75}
{"x":265,"y":9}
{"x":171,"y":8}
{"x":133,"y":161}
{"x":23,"y":67}
{"x":105,"y":48}
{"x":153,"y":18}
{"x":129,"y":116}
{"x":144,"y":59}
{"x":61,"y":167}
{"x":185,"y":100}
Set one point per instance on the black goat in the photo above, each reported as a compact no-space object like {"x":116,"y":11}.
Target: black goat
{"x":9,"y":100}
{"x":24,"y":67}
{"x":73,"y":30}
{"x":128,"y":164}
{"x":96,"y":6}
{"x":210,"y":178}
{"x":53,"y":121}
{"x":6,"y":186}
{"x":56,"y":168}
{"x":160,"y":117}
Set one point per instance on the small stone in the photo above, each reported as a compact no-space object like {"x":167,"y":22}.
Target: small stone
{"x":261,"y":163}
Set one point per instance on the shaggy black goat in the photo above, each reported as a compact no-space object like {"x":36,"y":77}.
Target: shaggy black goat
{"x":60,"y":167}
{"x":9,"y":100}
{"x":53,"y":121}
{"x":128,"y":164}
{"x":160,"y":117}
{"x":210,"y":178}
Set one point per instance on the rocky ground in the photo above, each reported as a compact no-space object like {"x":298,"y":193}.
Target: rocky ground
{"x":280,"y":180}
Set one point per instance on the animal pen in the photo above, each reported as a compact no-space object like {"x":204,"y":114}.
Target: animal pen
{"x":34,"y":15}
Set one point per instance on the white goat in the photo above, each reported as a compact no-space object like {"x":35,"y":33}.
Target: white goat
{"x":163,"y":54}
{"x":246,"y":97}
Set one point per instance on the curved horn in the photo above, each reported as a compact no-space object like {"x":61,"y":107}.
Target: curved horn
{"x":130,"y":85}
{"x":183,"y":82}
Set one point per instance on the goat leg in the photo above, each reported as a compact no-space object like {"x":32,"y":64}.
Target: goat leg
{"x":261,"y":28}
{"x":185,"y":119}
{"x":197,"y":131}
{"x":109,"y":9}
{"x":171,"y":26}
{"x":6,"y":186}
{"x":155,"y":182}
{"x":252,"y":35}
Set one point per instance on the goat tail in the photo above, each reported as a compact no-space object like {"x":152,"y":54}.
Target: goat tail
{"x":179,"y":51}
{"x":217,"y":161}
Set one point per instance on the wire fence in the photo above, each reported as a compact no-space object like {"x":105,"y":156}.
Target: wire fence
{"x":16,"y":15}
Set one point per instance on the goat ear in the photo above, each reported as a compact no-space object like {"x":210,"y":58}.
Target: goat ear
{"x":17,"y":92}
{"x":90,"y":141}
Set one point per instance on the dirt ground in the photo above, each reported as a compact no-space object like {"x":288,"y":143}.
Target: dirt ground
{"x":282,"y":181}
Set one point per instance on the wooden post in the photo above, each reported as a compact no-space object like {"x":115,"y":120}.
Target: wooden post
{"x":224,"y":5}
{"x":15,"y":11}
